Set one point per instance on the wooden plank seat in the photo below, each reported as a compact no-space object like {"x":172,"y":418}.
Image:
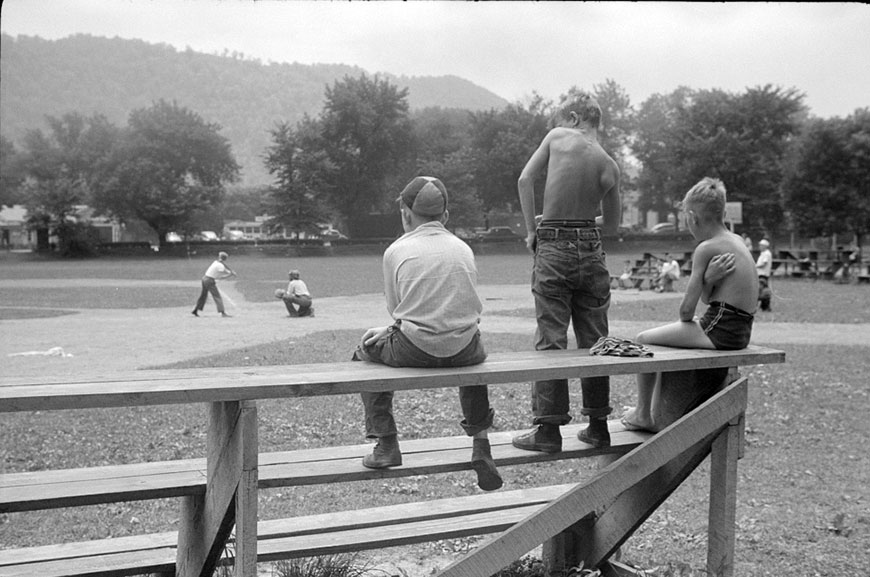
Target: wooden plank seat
{"x":307,"y":536}
{"x":165,"y":479}
{"x":235,"y":384}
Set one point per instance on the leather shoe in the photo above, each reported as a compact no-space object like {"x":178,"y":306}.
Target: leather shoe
{"x":488,"y":478}
{"x":596,"y":434}
{"x":545,"y":438}
{"x":385,"y":454}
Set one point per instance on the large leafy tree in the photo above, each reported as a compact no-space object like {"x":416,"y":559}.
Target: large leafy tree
{"x":366,"y":135}
{"x":663,"y":177}
{"x":442,"y":149}
{"x":172,"y":166}
{"x":828,"y":183}
{"x":297,"y":162}
{"x":739,"y":138}
{"x":11,"y":175}
{"x":62,"y":168}
{"x":501,"y":143}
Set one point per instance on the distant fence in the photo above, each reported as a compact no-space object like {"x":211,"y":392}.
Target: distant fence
{"x":675,"y":243}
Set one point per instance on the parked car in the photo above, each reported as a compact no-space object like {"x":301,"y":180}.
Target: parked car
{"x":173,"y":237}
{"x":234,"y":235}
{"x":208,"y":236}
{"x":332,"y":234}
{"x":663,"y":227}
{"x":499,"y":233}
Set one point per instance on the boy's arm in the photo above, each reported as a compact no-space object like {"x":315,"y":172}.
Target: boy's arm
{"x":526,"y":186}
{"x":718,"y":268}
{"x":695,"y":288}
{"x":611,"y":204}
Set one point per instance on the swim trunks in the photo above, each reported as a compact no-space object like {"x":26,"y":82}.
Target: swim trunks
{"x":727,"y":327}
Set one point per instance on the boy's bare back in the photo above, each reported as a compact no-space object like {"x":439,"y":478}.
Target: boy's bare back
{"x":579,"y":175}
{"x":740,"y":288}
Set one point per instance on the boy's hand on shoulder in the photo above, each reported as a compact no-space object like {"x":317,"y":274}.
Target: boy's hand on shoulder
{"x":719,"y":267}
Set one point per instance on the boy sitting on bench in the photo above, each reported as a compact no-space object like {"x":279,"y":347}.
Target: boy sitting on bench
{"x":730,"y":288}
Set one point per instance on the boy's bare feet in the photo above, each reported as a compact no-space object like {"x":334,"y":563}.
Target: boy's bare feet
{"x":632,"y":422}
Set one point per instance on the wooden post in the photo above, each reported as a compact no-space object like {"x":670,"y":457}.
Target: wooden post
{"x":723,"y":500}
{"x":231,"y":494}
{"x":246,"y":496}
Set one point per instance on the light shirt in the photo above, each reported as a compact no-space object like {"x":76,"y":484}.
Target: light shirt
{"x":297,"y":287}
{"x":764,"y":264}
{"x":217,"y":270}
{"x":430,"y":280}
{"x":673,"y":268}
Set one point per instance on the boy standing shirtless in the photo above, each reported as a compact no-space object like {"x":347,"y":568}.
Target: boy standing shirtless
{"x":570,"y":279}
{"x":730,"y":292}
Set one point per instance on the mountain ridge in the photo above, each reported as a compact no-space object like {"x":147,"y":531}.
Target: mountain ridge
{"x":246,"y":97}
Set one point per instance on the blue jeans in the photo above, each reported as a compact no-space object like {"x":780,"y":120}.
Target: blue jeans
{"x":571,"y":284}
{"x":396,"y":350}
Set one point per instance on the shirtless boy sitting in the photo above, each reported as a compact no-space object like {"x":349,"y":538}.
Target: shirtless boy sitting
{"x":730,"y":293}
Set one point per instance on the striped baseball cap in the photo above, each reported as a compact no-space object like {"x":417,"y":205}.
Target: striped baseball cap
{"x":425,"y":196}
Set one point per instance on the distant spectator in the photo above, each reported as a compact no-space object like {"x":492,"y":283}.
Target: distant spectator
{"x":747,"y":240}
{"x":625,"y":278}
{"x":670,"y":272}
{"x":764,"y":266}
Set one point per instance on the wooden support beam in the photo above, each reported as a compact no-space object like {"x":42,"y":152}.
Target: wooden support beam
{"x":207,"y":521}
{"x":723,"y":500}
{"x":594,"y":539}
{"x":245,"y":554}
{"x":604,"y":488}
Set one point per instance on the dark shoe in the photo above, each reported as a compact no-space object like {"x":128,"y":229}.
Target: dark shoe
{"x":545,"y":438}
{"x":194,"y":313}
{"x":596,"y":434}
{"x":385,"y":454}
{"x":488,"y":478}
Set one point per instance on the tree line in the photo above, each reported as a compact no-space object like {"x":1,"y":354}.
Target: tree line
{"x":173,"y":170}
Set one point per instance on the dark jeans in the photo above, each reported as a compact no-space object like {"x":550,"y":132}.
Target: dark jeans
{"x":396,"y":350}
{"x":571,"y":284}
{"x":209,"y":285}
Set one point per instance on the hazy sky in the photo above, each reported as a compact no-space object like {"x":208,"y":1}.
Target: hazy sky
{"x":510,"y":48}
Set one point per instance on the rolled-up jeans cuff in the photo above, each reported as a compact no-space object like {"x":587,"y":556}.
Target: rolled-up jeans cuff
{"x":557,"y":420}
{"x":596,"y":413}
{"x":472,"y":430}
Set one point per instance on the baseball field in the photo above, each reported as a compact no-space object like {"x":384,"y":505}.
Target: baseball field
{"x":803,"y":502}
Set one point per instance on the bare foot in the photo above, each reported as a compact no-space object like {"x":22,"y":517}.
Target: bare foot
{"x":632,"y":421}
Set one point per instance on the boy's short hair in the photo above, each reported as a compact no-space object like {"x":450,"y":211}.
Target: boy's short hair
{"x":707,"y":199}
{"x":586,"y":108}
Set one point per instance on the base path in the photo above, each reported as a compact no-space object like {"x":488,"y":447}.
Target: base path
{"x":95,"y":340}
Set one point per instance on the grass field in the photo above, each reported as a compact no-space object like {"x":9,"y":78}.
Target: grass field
{"x":803,"y":503}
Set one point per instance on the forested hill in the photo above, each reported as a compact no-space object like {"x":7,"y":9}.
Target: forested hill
{"x":246,"y":97}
